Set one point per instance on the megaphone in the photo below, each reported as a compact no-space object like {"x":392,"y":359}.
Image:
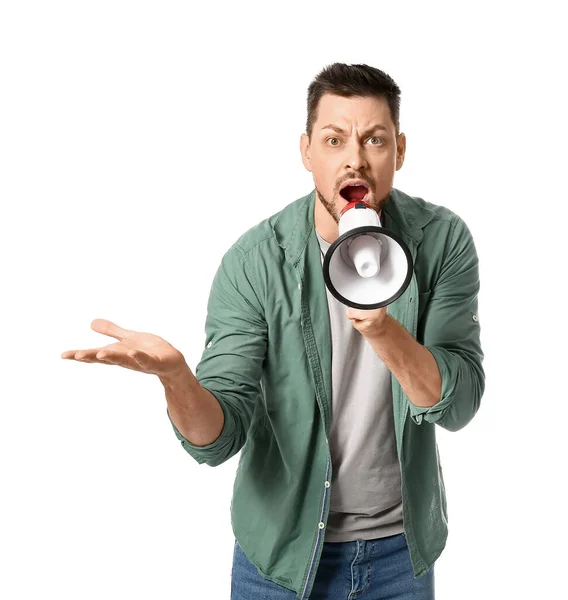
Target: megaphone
{"x":368,"y":266}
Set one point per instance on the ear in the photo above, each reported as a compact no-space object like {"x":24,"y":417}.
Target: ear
{"x":305,"y":151}
{"x":400,"y":150}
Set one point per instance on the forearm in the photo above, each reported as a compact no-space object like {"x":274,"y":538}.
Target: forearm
{"x":412,"y":364}
{"x":193,"y":409}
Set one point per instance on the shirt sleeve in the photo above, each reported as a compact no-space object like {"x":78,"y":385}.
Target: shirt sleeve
{"x":449,"y":328}
{"x":232,"y":360}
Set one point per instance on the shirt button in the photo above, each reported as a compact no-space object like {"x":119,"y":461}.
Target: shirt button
{"x":209,"y":344}
{"x":475,"y":318}
{"x":327,"y":484}
{"x":299,"y":286}
{"x":321,"y":525}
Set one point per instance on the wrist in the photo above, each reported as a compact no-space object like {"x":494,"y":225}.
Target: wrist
{"x":179,"y":377}
{"x":382,"y":331}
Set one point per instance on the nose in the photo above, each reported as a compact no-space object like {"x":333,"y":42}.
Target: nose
{"x":356,"y":157}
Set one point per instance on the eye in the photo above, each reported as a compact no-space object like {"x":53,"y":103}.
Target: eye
{"x":332,"y":138}
{"x":376,"y":138}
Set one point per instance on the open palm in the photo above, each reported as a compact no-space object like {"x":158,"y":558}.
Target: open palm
{"x":135,"y":350}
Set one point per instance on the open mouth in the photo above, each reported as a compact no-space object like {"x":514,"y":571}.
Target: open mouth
{"x":351,"y":193}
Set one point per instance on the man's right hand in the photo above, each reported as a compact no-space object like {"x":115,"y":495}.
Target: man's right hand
{"x":135,"y":350}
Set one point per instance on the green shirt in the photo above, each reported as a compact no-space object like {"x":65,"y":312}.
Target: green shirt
{"x":267,"y":360}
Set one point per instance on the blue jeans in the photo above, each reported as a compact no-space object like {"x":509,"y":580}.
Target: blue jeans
{"x":368,"y":569}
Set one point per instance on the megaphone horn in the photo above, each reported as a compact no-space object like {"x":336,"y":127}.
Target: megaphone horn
{"x":367,"y":266}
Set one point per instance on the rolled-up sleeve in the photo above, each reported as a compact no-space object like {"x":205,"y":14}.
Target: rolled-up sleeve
{"x":450,"y":329}
{"x":235,"y":348}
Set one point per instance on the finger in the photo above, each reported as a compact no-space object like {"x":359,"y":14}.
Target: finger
{"x":128,"y":359}
{"x":79,"y":354}
{"x":357,"y":314}
{"x":109,"y":328}
{"x":91,"y":355}
{"x":86,"y":355}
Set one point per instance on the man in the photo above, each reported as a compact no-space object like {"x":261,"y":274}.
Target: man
{"x":339,"y":491}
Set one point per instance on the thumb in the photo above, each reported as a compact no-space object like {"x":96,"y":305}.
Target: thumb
{"x":109,"y":328}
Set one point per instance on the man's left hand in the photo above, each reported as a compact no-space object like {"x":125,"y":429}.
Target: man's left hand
{"x":370,"y":323}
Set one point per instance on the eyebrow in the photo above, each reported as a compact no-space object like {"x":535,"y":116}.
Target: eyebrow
{"x":371,"y":129}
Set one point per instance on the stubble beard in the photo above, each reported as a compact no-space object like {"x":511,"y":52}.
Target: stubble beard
{"x":332,"y":208}
{"x":329,"y":206}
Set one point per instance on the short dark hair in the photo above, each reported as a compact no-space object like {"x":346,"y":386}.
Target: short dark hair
{"x":352,"y":80}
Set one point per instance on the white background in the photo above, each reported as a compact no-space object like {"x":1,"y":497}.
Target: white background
{"x":138,"y":141}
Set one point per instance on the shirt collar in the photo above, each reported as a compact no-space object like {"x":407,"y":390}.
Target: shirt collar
{"x":293,"y":226}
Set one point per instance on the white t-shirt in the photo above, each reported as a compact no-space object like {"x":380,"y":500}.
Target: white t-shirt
{"x":366,"y":496}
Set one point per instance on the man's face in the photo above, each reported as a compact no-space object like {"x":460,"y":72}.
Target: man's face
{"x":367,"y":149}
